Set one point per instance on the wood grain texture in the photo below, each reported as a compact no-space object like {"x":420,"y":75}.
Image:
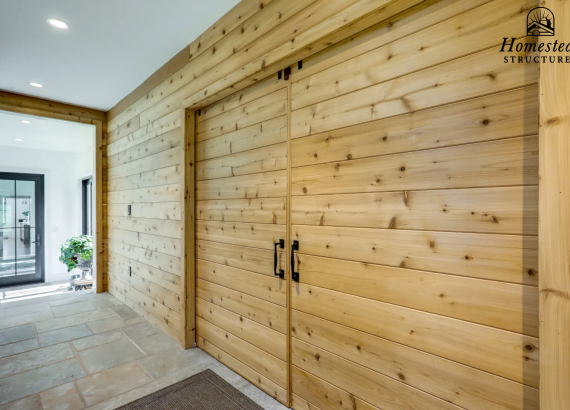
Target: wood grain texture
{"x":554,"y":235}
{"x":454,"y":382}
{"x":500,"y":352}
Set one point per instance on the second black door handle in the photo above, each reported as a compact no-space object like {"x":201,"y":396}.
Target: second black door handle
{"x":281,"y":272}
{"x":294,"y":247}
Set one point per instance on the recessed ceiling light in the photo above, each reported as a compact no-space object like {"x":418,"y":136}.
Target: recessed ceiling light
{"x":26,"y":122}
{"x":58,"y":23}
{"x":18,"y":139}
{"x":36,"y":85}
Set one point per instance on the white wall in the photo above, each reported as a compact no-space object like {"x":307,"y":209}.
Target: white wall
{"x":63,"y":173}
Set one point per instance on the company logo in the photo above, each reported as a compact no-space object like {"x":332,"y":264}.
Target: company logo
{"x":540,"y":22}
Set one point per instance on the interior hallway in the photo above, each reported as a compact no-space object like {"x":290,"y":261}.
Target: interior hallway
{"x":79,"y":350}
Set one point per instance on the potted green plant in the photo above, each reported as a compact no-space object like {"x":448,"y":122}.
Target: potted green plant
{"x":77,"y":252}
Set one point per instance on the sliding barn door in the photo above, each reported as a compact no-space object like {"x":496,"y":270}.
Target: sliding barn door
{"x":241,"y":175}
{"x":414,"y":204}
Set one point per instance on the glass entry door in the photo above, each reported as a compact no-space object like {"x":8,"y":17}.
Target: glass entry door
{"x":21,"y":228}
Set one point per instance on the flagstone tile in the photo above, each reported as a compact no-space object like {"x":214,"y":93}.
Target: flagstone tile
{"x":156,"y":343}
{"x":171,"y":361}
{"x":36,"y":380}
{"x":28,"y":403}
{"x":110,"y":355}
{"x":43,"y":326}
{"x":25,"y":319}
{"x":73,"y":309}
{"x":105,"y":325}
{"x":16,"y":334}
{"x":96,"y":340}
{"x":22,"y":310}
{"x":140,"y":330}
{"x":35,"y":358}
{"x":100,"y":386}
{"x":64,"y":397}
{"x":125,"y":312}
{"x":132,"y":395}
{"x":64,"y":335}
{"x":18,"y":347}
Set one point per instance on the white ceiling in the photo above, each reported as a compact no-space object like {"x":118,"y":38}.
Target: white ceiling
{"x":44,"y":133}
{"x":111,"y":47}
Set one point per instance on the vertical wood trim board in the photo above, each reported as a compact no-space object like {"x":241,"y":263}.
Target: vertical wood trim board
{"x":554,"y":227}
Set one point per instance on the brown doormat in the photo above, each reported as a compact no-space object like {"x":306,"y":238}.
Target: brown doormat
{"x":203,"y":391}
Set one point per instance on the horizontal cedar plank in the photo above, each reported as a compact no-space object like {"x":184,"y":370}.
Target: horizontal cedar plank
{"x":506,"y":258}
{"x":327,"y":396}
{"x":266,"y":210}
{"x":155,"y":243}
{"x":498,"y":304}
{"x":268,"y":314}
{"x":164,"y":210}
{"x":263,"y":185}
{"x":513,"y":161}
{"x":270,"y":289}
{"x":265,"y":108}
{"x":441,"y":42}
{"x":161,"y":278}
{"x":166,"y":141}
{"x":165,"y":314}
{"x":258,"y":53}
{"x":496,"y":351}
{"x":265,"y":159}
{"x":162,"y":159}
{"x":114,"y":135}
{"x":226,"y":24}
{"x":260,"y":89}
{"x":241,"y":257}
{"x":377,"y":32}
{"x":252,"y":332}
{"x":157,"y":260}
{"x":261,"y":236}
{"x":497,"y":116}
{"x":239,"y":44}
{"x":259,"y":135}
{"x":505,"y":210}
{"x":375,"y":388}
{"x":157,"y":194}
{"x":162,"y":176}
{"x":451,"y":381}
{"x":301,"y":41}
{"x":254,"y":377}
{"x":161,"y":227}
{"x":260,"y":361}
{"x":299,"y":403}
{"x":157,"y":293}
{"x":468,"y":77}
{"x":165,"y":124}
{"x":119,"y":292}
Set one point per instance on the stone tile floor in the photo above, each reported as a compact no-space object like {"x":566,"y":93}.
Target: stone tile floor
{"x":81,"y":350}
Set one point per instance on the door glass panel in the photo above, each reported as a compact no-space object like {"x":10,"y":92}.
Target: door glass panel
{"x":20,"y":237}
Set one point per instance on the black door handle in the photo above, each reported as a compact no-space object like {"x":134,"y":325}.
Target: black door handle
{"x":294,"y":247}
{"x":281,"y":272}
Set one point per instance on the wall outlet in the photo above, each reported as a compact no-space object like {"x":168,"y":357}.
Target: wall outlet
{"x":129,"y":210}
{"x":130,"y":271}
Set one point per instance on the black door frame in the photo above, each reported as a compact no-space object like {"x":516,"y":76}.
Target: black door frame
{"x":39,"y":238}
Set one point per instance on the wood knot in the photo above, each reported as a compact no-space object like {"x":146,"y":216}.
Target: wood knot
{"x":467,"y":257}
{"x":529,"y":347}
{"x":304,"y":190}
{"x":551,"y":121}
{"x":401,"y":377}
{"x":432,"y":244}
{"x":384,"y":138}
{"x":485,"y":122}
{"x":317,"y":356}
{"x":358,"y":348}
{"x":293,"y":329}
{"x":337,"y":166}
{"x":378,"y":180}
{"x":495,"y":220}
{"x":316,"y":155}
{"x":402,"y":169}
{"x":349,"y":156}
{"x":530,"y":272}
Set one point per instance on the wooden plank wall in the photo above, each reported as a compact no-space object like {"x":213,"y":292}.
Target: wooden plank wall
{"x":415,"y":202}
{"x":241,"y":213}
{"x":143,"y":141}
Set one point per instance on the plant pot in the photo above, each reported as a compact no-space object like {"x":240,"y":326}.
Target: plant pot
{"x":84,"y":264}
